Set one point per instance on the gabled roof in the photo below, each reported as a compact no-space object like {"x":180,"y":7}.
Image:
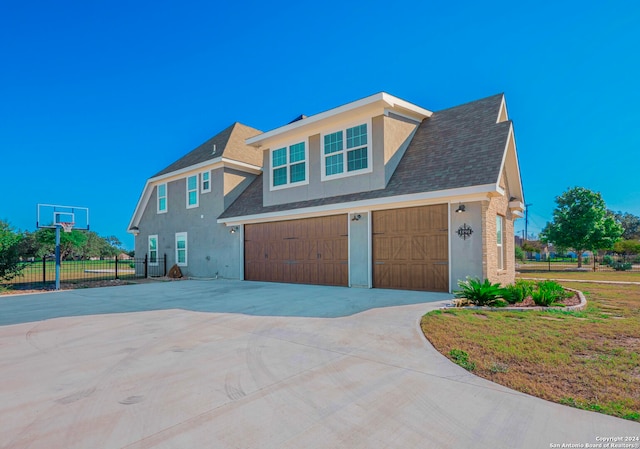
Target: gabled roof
{"x":230,"y":150}
{"x":229,"y":143}
{"x":455,"y":148}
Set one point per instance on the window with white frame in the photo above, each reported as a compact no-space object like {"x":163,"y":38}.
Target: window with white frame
{"x":181,"y":249}
{"x":289,"y":165}
{"x":346,"y":151}
{"x":500,"y":241}
{"x":192,"y":191}
{"x":162,"y":198}
{"x":205,"y":178}
{"x":153,"y":250}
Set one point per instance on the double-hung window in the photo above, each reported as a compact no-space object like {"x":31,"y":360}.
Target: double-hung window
{"x":346,"y":152}
{"x":192,"y":191}
{"x":181,"y":249}
{"x":205,"y":178}
{"x":153,"y":250}
{"x":500,"y":241}
{"x":162,"y":198}
{"x":289,"y":165}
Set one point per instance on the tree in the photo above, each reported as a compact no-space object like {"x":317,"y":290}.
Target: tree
{"x":69,"y":242}
{"x":630,"y":223}
{"x":627,"y":247}
{"x":9,"y":251}
{"x":581,"y":222}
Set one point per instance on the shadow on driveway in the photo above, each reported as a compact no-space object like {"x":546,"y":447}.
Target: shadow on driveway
{"x":220,"y":296}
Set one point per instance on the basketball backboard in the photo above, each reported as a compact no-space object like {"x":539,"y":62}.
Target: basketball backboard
{"x":53,"y":215}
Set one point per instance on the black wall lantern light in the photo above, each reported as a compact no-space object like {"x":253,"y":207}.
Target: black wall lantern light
{"x":461,"y":208}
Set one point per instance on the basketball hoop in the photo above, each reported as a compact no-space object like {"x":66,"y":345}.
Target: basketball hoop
{"x":67,"y":226}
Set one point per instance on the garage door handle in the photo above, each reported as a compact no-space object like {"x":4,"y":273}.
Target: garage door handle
{"x":319,"y":256}
{"x":266,"y":256}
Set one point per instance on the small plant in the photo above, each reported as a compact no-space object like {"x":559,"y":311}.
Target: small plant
{"x":517,"y":292}
{"x":462,"y":358}
{"x":621,"y":266}
{"x":479,"y":293}
{"x":547,"y":293}
{"x":607,"y":260}
{"x":498,"y":368}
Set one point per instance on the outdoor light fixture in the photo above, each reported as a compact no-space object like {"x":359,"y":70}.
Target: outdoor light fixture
{"x":234,"y":229}
{"x":356,"y":217}
{"x":461,"y":208}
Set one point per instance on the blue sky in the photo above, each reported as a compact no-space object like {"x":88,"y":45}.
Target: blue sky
{"x":95,"y":97}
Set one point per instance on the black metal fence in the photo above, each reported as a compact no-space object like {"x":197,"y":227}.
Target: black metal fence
{"x":610,"y":263}
{"x":41,"y":273}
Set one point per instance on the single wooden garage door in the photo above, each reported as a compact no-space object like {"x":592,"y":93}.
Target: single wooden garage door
{"x":307,"y":251}
{"x":410,"y":248}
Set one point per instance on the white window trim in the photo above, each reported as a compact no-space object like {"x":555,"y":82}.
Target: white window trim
{"x":500,"y":245}
{"x":186,"y":249}
{"x":166,"y":194}
{"x":197,"y":190}
{"x":288,"y":165}
{"x":345,"y":173}
{"x":155,"y":236}
{"x":202,"y":189}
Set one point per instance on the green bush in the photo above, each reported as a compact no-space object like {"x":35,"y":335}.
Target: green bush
{"x":462,"y":358}
{"x":479,"y":293}
{"x":517,"y":292}
{"x":548,"y":292}
{"x":519,"y":253}
{"x":621,"y":266}
{"x":607,"y":260}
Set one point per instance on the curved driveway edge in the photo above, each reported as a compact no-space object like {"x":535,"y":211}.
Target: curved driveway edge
{"x":254,"y":365}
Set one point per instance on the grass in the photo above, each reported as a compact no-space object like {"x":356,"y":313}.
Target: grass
{"x":71,"y":271}
{"x":588,"y":359}
{"x":623,"y":276}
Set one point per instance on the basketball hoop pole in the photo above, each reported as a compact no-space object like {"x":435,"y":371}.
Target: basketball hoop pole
{"x":57,"y":257}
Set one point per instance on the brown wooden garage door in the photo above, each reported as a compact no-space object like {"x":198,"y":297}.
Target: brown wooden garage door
{"x":307,"y":251}
{"x":410,"y":248}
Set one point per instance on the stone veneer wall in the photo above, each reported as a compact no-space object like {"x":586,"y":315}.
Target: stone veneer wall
{"x":498,"y":205}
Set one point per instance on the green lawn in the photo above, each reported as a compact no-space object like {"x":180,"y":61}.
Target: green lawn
{"x":623,"y":276}
{"x":74,"y":271}
{"x":588,"y":359}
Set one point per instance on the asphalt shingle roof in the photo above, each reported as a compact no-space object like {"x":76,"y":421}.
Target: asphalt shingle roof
{"x":457,"y":147}
{"x":228,"y":142}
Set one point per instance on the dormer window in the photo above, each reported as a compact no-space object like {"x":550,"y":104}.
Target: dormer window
{"x":346,"y":152}
{"x":289,"y":165}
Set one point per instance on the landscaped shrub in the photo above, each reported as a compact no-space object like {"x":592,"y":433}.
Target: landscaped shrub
{"x":517,"y":292}
{"x":519,"y":252}
{"x":607,"y":260}
{"x":621,"y":266}
{"x":548,"y":292}
{"x":479,"y":293}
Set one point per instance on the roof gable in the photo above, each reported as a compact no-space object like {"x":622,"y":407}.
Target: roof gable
{"x":229,"y":143}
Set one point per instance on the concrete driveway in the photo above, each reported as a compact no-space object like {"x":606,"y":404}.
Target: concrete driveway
{"x":224,"y":364}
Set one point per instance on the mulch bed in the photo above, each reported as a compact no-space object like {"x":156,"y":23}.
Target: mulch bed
{"x":573,"y":300}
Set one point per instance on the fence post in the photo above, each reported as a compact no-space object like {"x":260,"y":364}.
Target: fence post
{"x":116,"y":266}
{"x":44,"y":270}
{"x":549,"y":259}
{"x":146,"y":261}
{"x":165,"y":264}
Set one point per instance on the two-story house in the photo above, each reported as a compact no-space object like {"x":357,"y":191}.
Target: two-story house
{"x":375,"y":193}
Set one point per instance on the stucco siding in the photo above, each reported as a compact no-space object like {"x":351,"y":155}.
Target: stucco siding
{"x":398,"y":133}
{"x":359,"y":255}
{"x":211,"y":250}
{"x":466,"y":254}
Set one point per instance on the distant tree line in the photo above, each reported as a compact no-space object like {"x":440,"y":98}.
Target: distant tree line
{"x":17,"y":247}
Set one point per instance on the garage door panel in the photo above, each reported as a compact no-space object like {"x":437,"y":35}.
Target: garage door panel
{"x":410,"y":248}
{"x":308,"y":251}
